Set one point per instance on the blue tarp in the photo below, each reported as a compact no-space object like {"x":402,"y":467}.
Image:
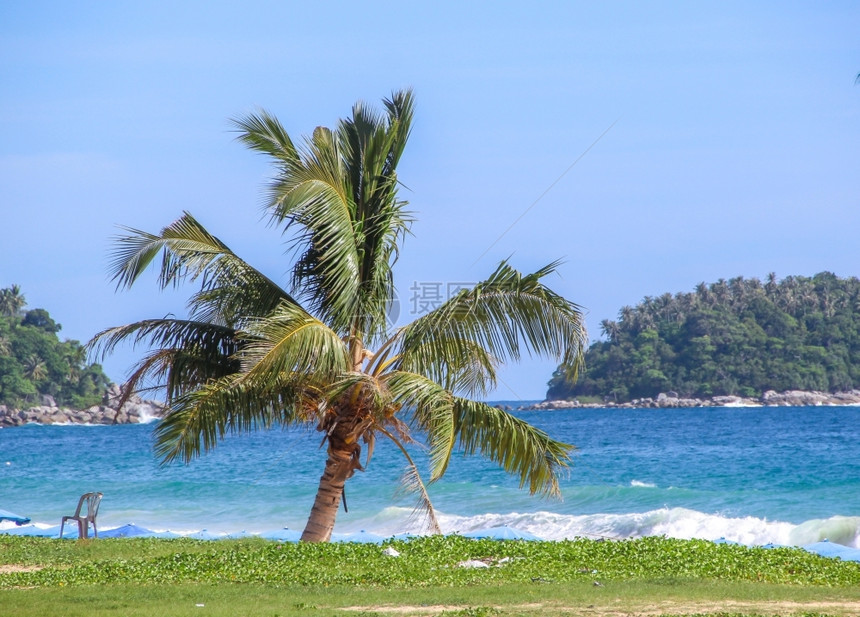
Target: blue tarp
{"x":282,"y":535}
{"x":48,"y":532}
{"x":361,"y":536}
{"x":204,"y":534}
{"x":5,"y":515}
{"x":501,"y":533}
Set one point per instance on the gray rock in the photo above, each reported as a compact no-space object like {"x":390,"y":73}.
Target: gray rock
{"x":793,"y":398}
{"x":134,"y":410}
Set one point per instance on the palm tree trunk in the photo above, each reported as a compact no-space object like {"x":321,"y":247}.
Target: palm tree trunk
{"x":344,"y":423}
{"x":338,"y":468}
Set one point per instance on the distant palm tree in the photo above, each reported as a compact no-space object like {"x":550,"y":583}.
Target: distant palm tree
{"x":75,"y":356}
{"x":11,"y":301}
{"x":609,"y":329}
{"x":34,"y":368}
{"x":253,"y":355}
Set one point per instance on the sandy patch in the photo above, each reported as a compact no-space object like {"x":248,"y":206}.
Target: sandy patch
{"x":435,"y":609}
{"x":663,"y":608}
{"x":11,"y":567}
{"x":764,"y":607}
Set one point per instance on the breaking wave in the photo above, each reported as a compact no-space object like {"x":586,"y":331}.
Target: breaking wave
{"x":678,"y":523}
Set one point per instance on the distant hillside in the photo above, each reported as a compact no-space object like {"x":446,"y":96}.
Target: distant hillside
{"x":737,"y":337}
{"x":35,"y":364}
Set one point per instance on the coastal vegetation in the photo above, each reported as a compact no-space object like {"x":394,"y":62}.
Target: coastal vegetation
{"x":739,"y":337}
{"x":323,"y":353}
{"x":34,"y":363}
{"x":429,"y":576}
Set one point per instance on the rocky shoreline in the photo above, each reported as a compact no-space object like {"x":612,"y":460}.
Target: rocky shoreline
{"x":135,"y":410}
{"x":789,"y":398}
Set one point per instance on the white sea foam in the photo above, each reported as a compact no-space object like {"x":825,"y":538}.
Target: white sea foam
{"x":146,"y":418}
{"x":638,"y":483}
{"x":679,"y":523}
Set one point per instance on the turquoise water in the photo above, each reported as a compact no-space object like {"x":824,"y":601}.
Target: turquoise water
{"x":753,"y":475}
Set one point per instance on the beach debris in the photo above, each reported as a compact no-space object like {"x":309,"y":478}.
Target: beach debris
{"x":486,"y":562}
{"x":473,"y":563}
{"x":391,"y":552}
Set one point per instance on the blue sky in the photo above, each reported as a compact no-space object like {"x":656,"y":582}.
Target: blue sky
{"x":734,"y":149}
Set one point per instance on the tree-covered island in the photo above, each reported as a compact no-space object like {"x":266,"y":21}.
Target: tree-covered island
{"x":35,"y":364}
{"x":739,"y":337}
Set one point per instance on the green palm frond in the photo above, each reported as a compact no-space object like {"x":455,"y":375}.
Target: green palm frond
{"x":289,"y":340}
{"x":520,"y":448}
{"x":339,"y":189}
{"x":466,"y":366}
{"x":373,"y":145}
{"x":507,"y":314}
{"x":187,"y":353}
{"x":411,"y":483}
{"x":197,"y":420}
{"x":263,"y":133}
{"x":176,"y":371}
{"x":433,"y":413}
{"x":167,"y":333}
{"x":231,"y":288}
{"x":451,"y":422}
{"x":308,"y":192}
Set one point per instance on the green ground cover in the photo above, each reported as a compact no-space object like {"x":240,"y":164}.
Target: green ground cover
{"x":652,"y":576}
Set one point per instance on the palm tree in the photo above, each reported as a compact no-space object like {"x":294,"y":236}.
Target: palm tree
{"x":609,"y":329}
{"x":771,"y":286}
{"x":253,"y":355}
{"x":75,"y":356}
{"x":11,"y":301}
{"x":34,"y":368}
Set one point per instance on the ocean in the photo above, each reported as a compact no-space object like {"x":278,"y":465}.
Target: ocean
{"x":754,"y":475}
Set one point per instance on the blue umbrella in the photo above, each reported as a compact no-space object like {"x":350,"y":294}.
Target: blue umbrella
{"x":240,"y":534}
{"x":5,"y":515}
{"x":501,"y":533}
{"x":127,"y":531}
{"x":832,"y":549}
{"x":282,"y":535}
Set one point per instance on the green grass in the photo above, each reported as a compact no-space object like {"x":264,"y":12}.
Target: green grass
{"x":257,"y":577}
